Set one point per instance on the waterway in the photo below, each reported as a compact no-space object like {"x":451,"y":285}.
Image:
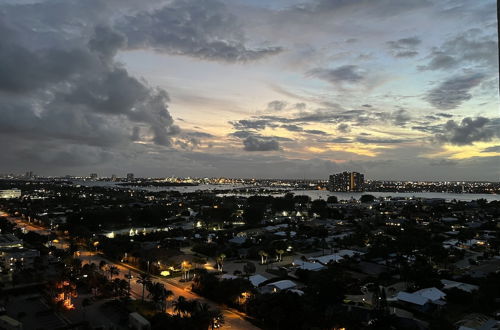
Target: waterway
{"x":313,"y":194}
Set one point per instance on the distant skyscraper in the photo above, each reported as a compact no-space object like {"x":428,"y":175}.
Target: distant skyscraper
{"x":346,"y":181}
{"x":93,"y":176}
{"x":113,"y":177}
{"x":130,"y":176}
{"x":29,"y":175}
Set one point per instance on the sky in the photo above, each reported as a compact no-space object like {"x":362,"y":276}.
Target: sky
{"x":398,"y":90}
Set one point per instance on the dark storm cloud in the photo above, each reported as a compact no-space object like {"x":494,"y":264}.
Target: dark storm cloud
{"x":106,"y":41}
{"x":60,"y":81}
{"x":341,"y":74}
{"x":469,"y":131}
{"x":257,"y":124}
{"x":199,"y":134}
{"x":252,"y":143}
{"x":404,"y":47}
{"x":276,"y":105}
{"x":451,"y":93}
{"x":77,"y":95}
{"x":469,"y":48}
{"x":203,"y":29}
{"x":492,"y":149}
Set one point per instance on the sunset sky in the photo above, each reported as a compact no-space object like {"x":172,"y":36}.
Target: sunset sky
{"x":397,"y":89}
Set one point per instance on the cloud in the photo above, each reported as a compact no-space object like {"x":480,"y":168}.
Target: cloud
{"x":257,"y":124}
{"x":199,"y":134}
{"x":443,"y":114}
{"x":470,"y":47}
{"x":404,"y":47}
{"x":451,"y":93}
{"x":202,"y":29}
{"x":492,"y":149}
{"x":252,"y":143}
{"x":381,"y":141}
{"x":343,"y":128}
{"x":342,"y":74}
{"x":382,"y":8}
{"x":276,"y":105}
{"x":468,"y":131}
{"x":315,"y":132}
{"x":337,"y":140}
{"x":443,"y":162}
{"x":292,"y":128}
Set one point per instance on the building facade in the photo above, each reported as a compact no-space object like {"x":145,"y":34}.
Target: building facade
{"x":346,"y":181}
{"x":10,"y":193}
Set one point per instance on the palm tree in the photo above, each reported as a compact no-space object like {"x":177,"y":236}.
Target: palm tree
{"x":113,"y":270}
{"x":220,"y":261}
{"x":181,"y":305}
{"x":279,"y":253}
{"x":159,"y":294}
{"x":144,"y":279}
{"x":263,"y":256}
{"x":102,"y":264}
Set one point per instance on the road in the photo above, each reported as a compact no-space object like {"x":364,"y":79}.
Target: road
{"x":233,"y":319}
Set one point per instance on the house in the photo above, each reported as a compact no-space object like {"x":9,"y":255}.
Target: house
{"x":328,"y":258}
{"x":257,"y":279}
{"x":459,"y":285}
{"x":422,"y":299}
{"x":305,"y":265}
{"x":278,"y":286}
{"x":137,"y":322}
{"x":412,"y":298}
{"x":433,"y":294}
{"x":238,"y":240}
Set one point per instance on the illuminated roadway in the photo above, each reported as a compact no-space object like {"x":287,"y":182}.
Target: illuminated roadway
{"x":232,"y":319}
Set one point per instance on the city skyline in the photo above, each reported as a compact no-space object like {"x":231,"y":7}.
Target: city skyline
{"x":288,"y":89}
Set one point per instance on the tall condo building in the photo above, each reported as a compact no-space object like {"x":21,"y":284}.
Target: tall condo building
{"x":130,"y":176}
{"x":346,"y":181}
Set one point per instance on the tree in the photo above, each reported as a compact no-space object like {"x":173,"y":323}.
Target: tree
{"x":279,"y":253}
{"x":182,"y":306}
{"x":367,"y":198}
{"x":102,"y":264}
{"x":249,"y":268}
{"x":159,"y":294}
{"x":220,"y":261}
{"x":113,"y":270}
{"x":263,"y":255}
{"x":332,"y":200}
{"x":144,"y":280}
